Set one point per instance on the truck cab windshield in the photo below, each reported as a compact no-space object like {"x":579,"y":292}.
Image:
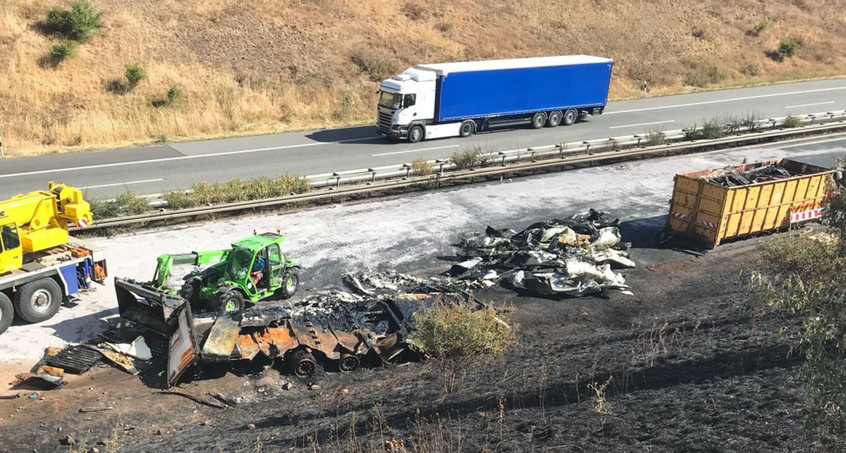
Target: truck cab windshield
{"x":389,"y":100}
{"x":238,"y":263}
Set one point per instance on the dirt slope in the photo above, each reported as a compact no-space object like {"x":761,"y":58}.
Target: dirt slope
{"x":253,"y":66}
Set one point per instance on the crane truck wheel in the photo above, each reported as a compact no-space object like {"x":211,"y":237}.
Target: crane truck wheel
{"x":230,"y":302}
{"x":39,"y":300}
{"x":538,"y":120}
{"x":415,"y":134}
{"x":570,"y":117}
{"x":290,"y":284}
{"x":467,"y":128}
{"x":6,"y":312}
{"x":554,"y":119}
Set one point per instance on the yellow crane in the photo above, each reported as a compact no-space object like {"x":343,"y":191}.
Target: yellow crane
{"x":39,"y":221}
{"x":40,"y":268}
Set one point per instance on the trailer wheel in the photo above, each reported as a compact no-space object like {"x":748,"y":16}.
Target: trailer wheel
{"x":39,"y":300}
{"x":290,"y":284}
{"x":570,"y":117}
{"x":467,"y":129}
{"x":554,"y":119}
{"x":304,"y":363}
{"x":230,"y":302}
{"x":349,"y":362}
{"x":415,"y":134}
{"x":6,"y":312}
{"x":538,"y":120}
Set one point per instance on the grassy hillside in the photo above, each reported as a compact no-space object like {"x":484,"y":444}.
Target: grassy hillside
{"x":253,"y":66}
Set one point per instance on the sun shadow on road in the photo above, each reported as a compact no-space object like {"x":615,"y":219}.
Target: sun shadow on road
{"x":365,"y":135}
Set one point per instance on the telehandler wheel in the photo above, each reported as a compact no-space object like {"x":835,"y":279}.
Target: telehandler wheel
{"x":303,"y":363}
{"x":6,"y":313}
{"x":230,"y":302}
{"x":39,"y":300}
{"x":290,"y":284}
{"x":349,"y":362}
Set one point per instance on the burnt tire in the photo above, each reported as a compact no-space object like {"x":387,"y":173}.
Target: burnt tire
{"x":230,"y":302}
{"x":348,"y":362}
{"x":303,"y":364}
{"x":538,"y":120}
{"x":570,"y":117}
{"x":554,"y":119}
{"x":7,"y":312}
{"x":467,"y":129}
{"x":415,"y":134}
{"x":39,"y":300}
{"x":290,"y":284}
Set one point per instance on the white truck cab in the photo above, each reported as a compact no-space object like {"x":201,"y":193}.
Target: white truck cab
{"x":405,"y":100}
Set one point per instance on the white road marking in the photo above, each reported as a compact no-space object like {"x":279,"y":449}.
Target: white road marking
{"x":840,"y":138}
{"x":412,"y":151}
{"x":808,"y":105}
{"x":718,"y":101}
{"x":642,"y":124}
{"x":170,"y":159}
{"x":122,"y":183}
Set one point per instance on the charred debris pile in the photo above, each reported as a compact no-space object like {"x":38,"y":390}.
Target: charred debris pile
{"x":744,"y":176}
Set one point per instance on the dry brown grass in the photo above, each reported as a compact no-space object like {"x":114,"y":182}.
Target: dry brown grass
{"x":257,"y":66}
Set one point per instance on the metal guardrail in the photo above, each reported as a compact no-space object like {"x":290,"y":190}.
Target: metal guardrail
{"x":383,"y":179}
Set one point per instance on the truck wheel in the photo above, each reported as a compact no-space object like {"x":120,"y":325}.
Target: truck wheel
{"x":230,"y":302}
{"x":570,"y":117}
{"x":467,"y":128}
{"x":554,"y":119}
{"x":415,"y":134}
{"x":349,"y":362}
{"x":538,"y":120}
{"x":303,"y":363}
{"x":290,"y":283}
{"x":6,"y":312}
{"x":39,"y":300}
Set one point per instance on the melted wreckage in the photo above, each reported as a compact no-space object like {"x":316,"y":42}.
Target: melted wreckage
{"x":341,"y":329}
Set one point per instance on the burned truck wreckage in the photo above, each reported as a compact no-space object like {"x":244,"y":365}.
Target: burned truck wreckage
{"x":571,"y":257}
{"x":336,"y":329}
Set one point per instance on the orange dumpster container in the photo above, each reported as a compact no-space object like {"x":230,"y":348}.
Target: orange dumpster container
{"x":711,"y":213}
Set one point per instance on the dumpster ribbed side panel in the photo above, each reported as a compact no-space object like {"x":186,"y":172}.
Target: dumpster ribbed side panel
{"x":712,"y":213}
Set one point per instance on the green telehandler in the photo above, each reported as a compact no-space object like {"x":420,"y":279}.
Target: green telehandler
{"x":254,"y":269}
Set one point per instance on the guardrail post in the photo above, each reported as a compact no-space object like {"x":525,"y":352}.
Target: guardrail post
{"x":502,"y":162}
{"x":372,"y":175}
{"x":774,"y":121}
{"x":337,"y":179}
{"x":587,"y":145}
{"x":812,"y":117}
{"x":407,"y":168}
{"x":830,"y":115}
{"x":440,"y":162}
{"x":639,"y":139}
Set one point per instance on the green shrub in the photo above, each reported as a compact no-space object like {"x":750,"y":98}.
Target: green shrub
{"x":751,"y":70}
{"x":761,"y":27}
{"x":788,"y":47}
{"x":80,"y":23}
{"x":62,"y":50}
{"x":792,"y":121}
{"x":421,"y":167}
{"x":134,"y":74}
{"x":203,"y":194}
{"x":174,"y":93}
{"x":710,"y":130}
{"x":126,"y":204}
{"x":655,"y":138}
{"x":467,"y":158}
{"x":456,"y":338}
{"x":703,"y":77}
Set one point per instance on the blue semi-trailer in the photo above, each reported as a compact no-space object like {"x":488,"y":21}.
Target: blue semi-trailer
{"x":460,"y":99}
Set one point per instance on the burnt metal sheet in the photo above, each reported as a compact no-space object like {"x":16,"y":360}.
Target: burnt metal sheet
{"x":73,"y":359}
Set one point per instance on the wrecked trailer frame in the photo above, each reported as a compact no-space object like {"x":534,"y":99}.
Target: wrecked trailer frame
{"x":343,"y":335}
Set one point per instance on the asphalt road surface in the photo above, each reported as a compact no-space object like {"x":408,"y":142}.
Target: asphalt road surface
{"x":153,"y":169}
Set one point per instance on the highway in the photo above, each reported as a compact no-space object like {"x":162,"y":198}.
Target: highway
{"x":157,"y":168}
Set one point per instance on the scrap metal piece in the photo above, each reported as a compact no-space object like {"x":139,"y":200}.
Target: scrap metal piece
{"x":73,"y":359}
